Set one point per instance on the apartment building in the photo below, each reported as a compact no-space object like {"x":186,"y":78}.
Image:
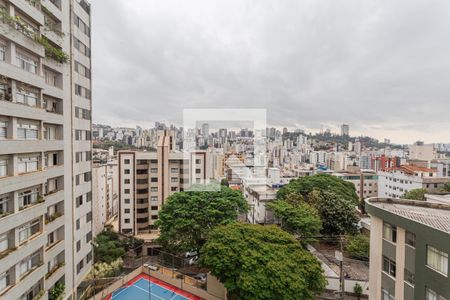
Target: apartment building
{"x":146,"y":179}
{"x":409,"y":249}
{"x":366,"y":182}
{"x":257,"y":196}
{"x":45,"y":147}
{"x":395,"y":182}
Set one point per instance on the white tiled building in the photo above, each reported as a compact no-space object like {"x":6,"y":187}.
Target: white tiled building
{"x":45,"y":147}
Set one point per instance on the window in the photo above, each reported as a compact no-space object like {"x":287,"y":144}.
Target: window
{"x":390,"y":232}
{"x":174,"y":170}
{"x":78,"y":246}
{"x":389,"y":266}
{"x":127,"y":191}
{"x":78,"y":224}
{"x":432,"y":295}
{"x":28,"y":197}
{"x":26,"y":97}
{"x":410,"y":239}
{"x":27,"y":230}
{"x":79,"y":201}
{"x":78,"y":156}
{"x":198,"y":161}
{"x":87,"y":176}
{"x":81,"y":25}
{"x":198,"y":171}
{"x":174,"y":189}
{"x":126,"y":171}
{"x":88,"y":155}
{"x":77,"y":179}
{"x":3,"y":167}
{"x":88,"y":217}
{"x":154,"y":170}
{"x":27,"y":131}
{"x":154,"y":208}
{"x":4,"y":242}
{"x":4,"y":281}
{"x":154,"y":179}
{"x":89,"y":197}
{"x":127,"y":210}
{"x":154,"y":198}
{"x":27,"y":164}
{"x":127,"y":201}
{"x":26,"y":63}
{"x":410,"y":277}
{"x":437,"y":260}
{"x":127,"y":161}
{"x":89,"y":237}
{"x":174,"y":179}
{"x":153,"y":189}
{"x":154,"y":217}
{"x":2,"y":57}
{"x":387,"y":295}
{"x":3,"y":129}
{"x":127,"y":221}
{"x":127,"y":181}
{"x":80,"y":266}
{"x":29,"y":263}
{"x":4,"y":204}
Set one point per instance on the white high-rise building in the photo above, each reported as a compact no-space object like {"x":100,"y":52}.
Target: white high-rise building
{"x":45,"y":147}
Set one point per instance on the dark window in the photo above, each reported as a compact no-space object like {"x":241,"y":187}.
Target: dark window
{"x":127,"y":161}
{"x":127,"y":181}
{"x":154,"y":179}
{"x":127,"y":171}
{"x":389,"y":266}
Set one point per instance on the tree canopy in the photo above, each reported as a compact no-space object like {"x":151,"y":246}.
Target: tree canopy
{"x":108,"y":247}
{"x":415,"y":194}
{"x":358,"y":246}
{"x":299,"y":218}
{"x":338,"y":215}
{"x":322,"y":182}
{"x":261,"y":262}
{"x":187,"y":217}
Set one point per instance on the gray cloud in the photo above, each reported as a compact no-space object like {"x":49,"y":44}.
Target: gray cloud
{"x":381,"y":66}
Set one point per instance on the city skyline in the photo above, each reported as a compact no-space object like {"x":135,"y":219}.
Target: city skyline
{"x":310,"y":64}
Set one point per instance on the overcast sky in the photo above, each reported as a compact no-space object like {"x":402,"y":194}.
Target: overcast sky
{"x":381,"y":66}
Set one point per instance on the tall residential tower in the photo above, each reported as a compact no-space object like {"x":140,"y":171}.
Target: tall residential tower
{"x":45,"y":147}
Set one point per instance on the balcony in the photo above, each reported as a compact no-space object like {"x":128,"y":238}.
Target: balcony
{"x":54,"y":197}
{"x":29,"y":112}
{"x":24,"y":146}
{"x":19,"y":74}
{"x":24,"y":250}
{"x":55,"y":274}
{"x":53,"y":37}
{"x":55,"y":224}
{"x":30,"y":9}
{"x":16,"y":291}
{"x":21,"y":39}
{"x":28,"y":214}
{"x":54,"y":249}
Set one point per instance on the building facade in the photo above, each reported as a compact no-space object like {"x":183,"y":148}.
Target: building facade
{"x":396,"y":182}
{"x":146,"y":179}
{"x":45,"y":147}
{"x":409,"y":248}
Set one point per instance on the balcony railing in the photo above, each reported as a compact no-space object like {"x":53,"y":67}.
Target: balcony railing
{"x":53,"y":217}
{"x":40,"y":199}
{"x":54,"y":269}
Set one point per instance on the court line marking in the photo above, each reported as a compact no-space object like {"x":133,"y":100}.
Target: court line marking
{"x":119,"y":292}
{"x":148,"y":292}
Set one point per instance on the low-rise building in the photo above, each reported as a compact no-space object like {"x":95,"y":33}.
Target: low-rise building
{"x":409,"y":248}
{"x":395,"y":182}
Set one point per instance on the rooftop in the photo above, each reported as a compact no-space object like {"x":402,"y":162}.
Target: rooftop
{"x":410,"y":169}
{"x":434,"y":215}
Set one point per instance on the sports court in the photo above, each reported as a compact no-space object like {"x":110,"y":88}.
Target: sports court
{"x":144,"y":288}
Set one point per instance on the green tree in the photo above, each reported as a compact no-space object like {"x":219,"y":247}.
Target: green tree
{"x":358,"y":247}
{"x":446,"y":188}
{"x":261,"y":262}
{"x":322,"y":182}
{"x":338,"y":215}
{"x":301,"y":219}
{"x":57,"y":291}
{"x":187,"y":217}
{"x":415,"y":194}
{"x":224,"y":182}
{"x":108,"y":247}
{"x":358,"y":290}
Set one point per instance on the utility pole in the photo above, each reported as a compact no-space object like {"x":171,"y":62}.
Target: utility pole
{"x":341,"y":264}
